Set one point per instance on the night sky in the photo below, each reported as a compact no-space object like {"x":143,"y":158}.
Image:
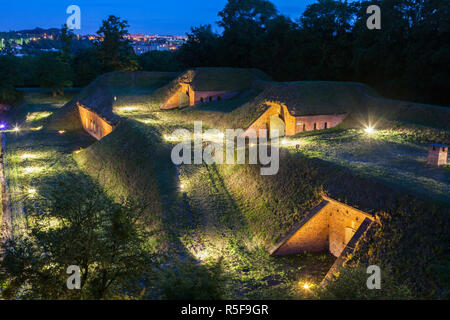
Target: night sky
{"x":144,"y":16}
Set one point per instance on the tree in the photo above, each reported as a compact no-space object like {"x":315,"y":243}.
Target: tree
{"x":73,"y":223}
{"x":53,"y":73}
{"x":243,"y":21}
{"x":115,"y":52}
{"x":10,"y":78}
{"x":159,"y":61}
{"x":67,"y":36}
{"x":201,"y":48}
{"x":86,"y":66}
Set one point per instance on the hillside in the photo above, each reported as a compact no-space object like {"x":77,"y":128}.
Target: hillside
{"x":231,"y":211}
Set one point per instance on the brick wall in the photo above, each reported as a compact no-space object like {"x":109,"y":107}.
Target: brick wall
{"x":306,"y":123}
{"x":330,"y":227}
{"x":95,"y":125}
{"x":214,"y":95}
{"x":437,"y":156}
{"x":295,"y":124}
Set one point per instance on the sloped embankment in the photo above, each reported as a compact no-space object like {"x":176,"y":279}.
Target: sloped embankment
{"x":96,"y":96}
{"x":272,"y":204}
{"x":132,"y":162}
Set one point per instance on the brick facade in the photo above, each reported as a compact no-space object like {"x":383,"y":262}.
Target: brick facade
{"x":295,"y":124}
{"x":330,"y":226}
{"x":195,"y":97}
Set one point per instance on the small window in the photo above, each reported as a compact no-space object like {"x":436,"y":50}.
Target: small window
{"x":315,"y":126}
{"x":326,"y":125}
{"x":304,"y":127}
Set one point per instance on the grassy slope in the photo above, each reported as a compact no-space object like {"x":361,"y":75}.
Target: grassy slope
{"x":316,"y":98}
{"x":212,"y":79}
{"x":237,"y":210}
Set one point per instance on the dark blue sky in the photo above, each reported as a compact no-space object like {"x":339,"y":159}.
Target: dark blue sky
{"x":144,"y":16}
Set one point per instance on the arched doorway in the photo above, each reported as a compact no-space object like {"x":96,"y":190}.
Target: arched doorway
{"x":276,"y":123}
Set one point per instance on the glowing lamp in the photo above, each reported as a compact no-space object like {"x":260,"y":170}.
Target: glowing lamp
{"x":2,"y":126}
{"x":369,"y":130}
{"x":306,"y":286}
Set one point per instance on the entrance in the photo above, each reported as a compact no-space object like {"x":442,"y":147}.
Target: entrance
{"x":183,"y":99}
{"x":277,"y":124}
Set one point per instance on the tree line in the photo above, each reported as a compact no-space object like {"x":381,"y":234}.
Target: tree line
{"x":408,"y":58}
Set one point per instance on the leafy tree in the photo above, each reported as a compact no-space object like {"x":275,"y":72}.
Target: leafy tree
{"x":86,"y":66}
{"x":73,"y":223}
{"x":10,"y":78}
{"x":115,"y":52}
{"x":53,"y":73}
{"x":67,"y":36}
{"x":201,"y":48}
{"x":159,"y":61}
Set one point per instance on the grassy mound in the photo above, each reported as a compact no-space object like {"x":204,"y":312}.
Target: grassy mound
{"x":131,"y":161}
{"x":213,"y":79}
{"x":313,"y":98}
{"x":270,"y":205}
{"x":99,"y":96}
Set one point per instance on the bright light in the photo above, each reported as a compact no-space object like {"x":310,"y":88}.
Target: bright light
{"x":306,"y":286}
{"x":369,"y":130}
{"x":28,"y":156}
{"x":181,"y":186}
{"x":128,"y":109}
{"x":2,"y":126}
{"x":16,"y":129}
{"x":31,"y":191}
{"x":284,"y":142}
{"x":30,"y":169}
{"x":78,"y":151}
{"x":62,"y":131}
{"x":37,"y":128}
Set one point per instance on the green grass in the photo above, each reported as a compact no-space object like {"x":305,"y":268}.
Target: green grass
{"x":233,"y":212}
